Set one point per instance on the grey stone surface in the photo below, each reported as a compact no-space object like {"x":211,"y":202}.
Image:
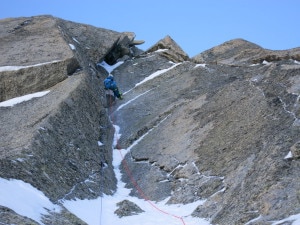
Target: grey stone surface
{"x":52,"y":142}
{"x":38,"y":50}
{"x":168,"y":48}
{"x":295,"y":149}
{"x":241,"y":52}
{"x":127,"y":208}
{"x":10,"y":217}
{"x":217,"y":131}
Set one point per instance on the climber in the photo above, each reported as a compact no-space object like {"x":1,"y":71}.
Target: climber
{"x":110,"y":84}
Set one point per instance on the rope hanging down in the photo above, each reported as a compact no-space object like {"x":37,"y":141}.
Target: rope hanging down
{"x":129,"y":174}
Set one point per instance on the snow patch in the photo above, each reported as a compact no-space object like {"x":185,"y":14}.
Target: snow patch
{"x":294,"y":218}
{"x":289,"y":155}
{"x":25,"y":200}
{"x":162,"y":50}
{"x":110,"y":68}
{"x":89,"y":211}
{"x":72,"y":46}
{"x":257,"y":78}
{"x":74,"y":39}
{"x":201,"y":65}
{"x":123,"y":105}
{"x":155,"y":74}
{"x":253,"y":220}
{"x":256,"y":64}
{"x":15,"y":68}
{"x":17,"y":100}
{"x":101,"y":210}
{"x":265,"y":62}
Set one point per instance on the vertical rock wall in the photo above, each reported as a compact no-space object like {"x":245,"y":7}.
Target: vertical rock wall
{"x":60,"y":143}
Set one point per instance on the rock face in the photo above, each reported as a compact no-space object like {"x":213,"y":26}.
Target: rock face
{"x":217,"y":127}
{"x":23,"y":39}
{"x":242,"y":52}
{"x":52,"y":142}
{"x":169,"y":49}
{"x":214,"y":132}
{"x":127,"y":208}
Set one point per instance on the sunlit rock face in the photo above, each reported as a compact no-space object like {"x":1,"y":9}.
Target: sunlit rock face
{"x":52,"y":142}
{"x":221,"y":129}
{"x":215,"y":131}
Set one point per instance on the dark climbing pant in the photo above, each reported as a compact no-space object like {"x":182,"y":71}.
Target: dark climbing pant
{"x":117,"y":93}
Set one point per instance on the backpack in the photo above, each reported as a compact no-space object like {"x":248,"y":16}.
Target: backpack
{"x":107,"y":83}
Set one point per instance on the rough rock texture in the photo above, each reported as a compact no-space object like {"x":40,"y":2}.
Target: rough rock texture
{"x":242,"y":52}
{"x":10,"y":217}
{"x":295,"y":150}
{"x":218,"y":131}
{"x":169,"y":49}
{"x":127,"y":208}
{"x":52,"y":142}
{"x":39,"y":53}
{"x":125,"y":46}
{"x":211,"y":132}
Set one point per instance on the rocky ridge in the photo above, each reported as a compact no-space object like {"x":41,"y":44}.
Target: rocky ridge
{"x":217,"y":127}
{"x":225,"y":134}
{"x":241,"y":52}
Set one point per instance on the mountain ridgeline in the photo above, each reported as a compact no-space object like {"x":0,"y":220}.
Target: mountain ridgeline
{"x":222,"y":126}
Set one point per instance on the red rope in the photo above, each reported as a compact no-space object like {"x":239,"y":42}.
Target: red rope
{"x":133,"y":181}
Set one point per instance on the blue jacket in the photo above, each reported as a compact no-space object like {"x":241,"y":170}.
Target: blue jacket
{"x":109,"y":83}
